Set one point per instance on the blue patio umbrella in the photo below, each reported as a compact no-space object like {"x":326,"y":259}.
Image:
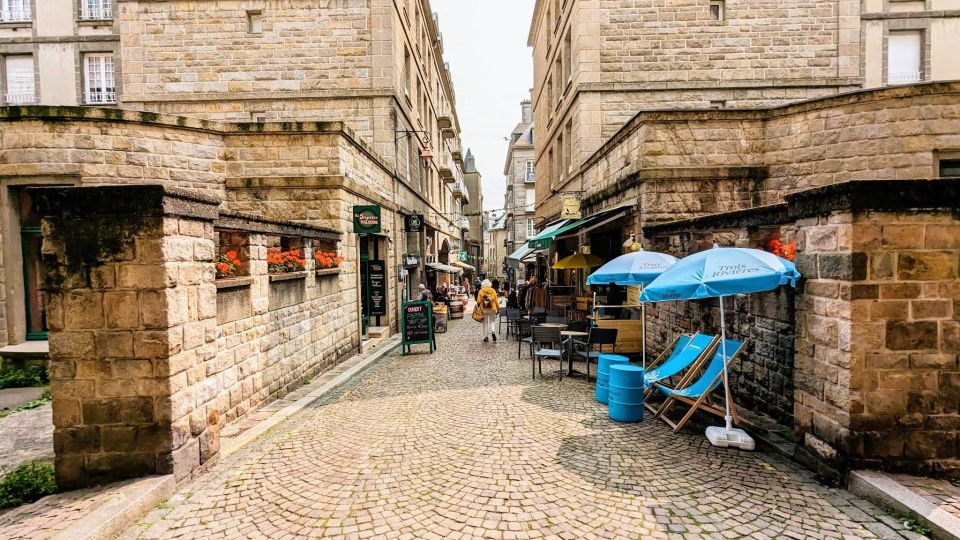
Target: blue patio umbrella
{"x":637,"y":268}
{"x":720,"y":272}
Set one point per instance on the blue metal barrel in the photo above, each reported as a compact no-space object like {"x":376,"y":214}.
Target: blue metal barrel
{"x":626,"y":393}
{"x":603,"y":373}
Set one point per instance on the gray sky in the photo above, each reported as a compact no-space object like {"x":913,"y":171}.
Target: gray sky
{"x":486,"y":45}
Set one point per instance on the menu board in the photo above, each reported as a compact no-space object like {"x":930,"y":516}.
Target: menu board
{"x":377,"y":282}
{"x":417,"y":324}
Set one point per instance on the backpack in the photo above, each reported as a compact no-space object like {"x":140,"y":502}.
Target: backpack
{"x":487,"y":302}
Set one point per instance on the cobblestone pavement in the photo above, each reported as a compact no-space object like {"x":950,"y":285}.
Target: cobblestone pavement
{"x":463,"y":444}
{"x":26,"y":436}
{"x":942,"y":493}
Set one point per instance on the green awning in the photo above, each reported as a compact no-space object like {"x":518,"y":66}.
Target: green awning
{"x":544,"y":239}
{"x":517,"y":256}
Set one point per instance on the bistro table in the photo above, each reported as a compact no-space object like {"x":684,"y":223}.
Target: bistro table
{"x":571,"y":335}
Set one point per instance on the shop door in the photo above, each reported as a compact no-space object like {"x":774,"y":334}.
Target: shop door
{"x":364,"y":284}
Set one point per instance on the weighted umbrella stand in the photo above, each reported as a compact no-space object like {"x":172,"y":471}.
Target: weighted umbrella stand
{"x":728,"y":436}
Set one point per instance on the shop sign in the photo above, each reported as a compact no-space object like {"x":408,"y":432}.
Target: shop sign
{"x":367,"y":220}
{"x":571,"y":206}
{"x":377,"y":287}
{"x":464,"y":256}
{"x":416,"y":324}
{"x":413,"y":223}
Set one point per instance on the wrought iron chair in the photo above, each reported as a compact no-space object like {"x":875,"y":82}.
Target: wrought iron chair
{"x":545,"y":340}
{"x":598,"y":338}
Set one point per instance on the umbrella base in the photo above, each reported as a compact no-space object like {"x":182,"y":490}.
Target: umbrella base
{"x":732,"y":438}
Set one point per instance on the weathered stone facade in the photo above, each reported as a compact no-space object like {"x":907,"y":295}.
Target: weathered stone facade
{"x":861,"y":362}
{"x":598,"y":62}
{"x":520,"y":198}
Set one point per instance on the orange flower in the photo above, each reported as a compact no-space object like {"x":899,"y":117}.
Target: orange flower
{"x":223,"y":268}
{"x":232,"y":254}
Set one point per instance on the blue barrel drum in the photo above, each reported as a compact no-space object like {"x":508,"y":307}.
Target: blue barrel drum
{"x":626,"y":393}
{"x":603,"y":373}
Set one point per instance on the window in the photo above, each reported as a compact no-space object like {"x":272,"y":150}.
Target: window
{"x":406,"y":72}
{"x":15,"y":10}
{"x":254,"y":22}
{"x":530,"y":228}
{"x":567,"y":151}
{"x":529,"y":177}
{"x":259,"y":117}
{"x":20,"y":83}
{"x":96,"y":10}
{"x":531,"y":200}
{"x":31,"y":240}
{"x":561,"y":158}
{"x":903,"y":57}
{"x":567,"y":59}
{"x":100,"y":86}
{"x":551,"y":169}
{"x":950,"y":168}
{"x":717,"y":10}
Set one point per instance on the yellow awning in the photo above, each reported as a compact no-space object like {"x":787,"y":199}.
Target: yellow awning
{"x":463,"y":265}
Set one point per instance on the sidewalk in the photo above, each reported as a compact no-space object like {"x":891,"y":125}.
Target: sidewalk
{"x":934,"y":504}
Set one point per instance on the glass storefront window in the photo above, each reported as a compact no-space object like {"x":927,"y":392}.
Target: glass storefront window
{"x":31,"y":241}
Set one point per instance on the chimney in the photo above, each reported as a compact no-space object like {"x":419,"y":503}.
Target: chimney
{"x":527,"y":108}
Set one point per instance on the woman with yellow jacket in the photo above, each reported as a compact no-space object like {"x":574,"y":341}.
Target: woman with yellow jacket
{"x":488,"y":307}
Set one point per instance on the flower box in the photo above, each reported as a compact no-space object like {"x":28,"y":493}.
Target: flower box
{"x":285,"y":262}
{"x":328,"y":272}
{"x":288,"y":276}
{"x":233,"y":283}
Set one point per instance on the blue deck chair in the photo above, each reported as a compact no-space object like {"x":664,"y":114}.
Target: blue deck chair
{"x":686,"y":351}
{"x":697,"y":393}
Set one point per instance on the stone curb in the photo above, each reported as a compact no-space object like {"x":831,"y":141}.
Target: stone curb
{"x":283,"y":414}
{"x":125,"y":508}
{"x":136,"y":500}
{"x":886,"y":491}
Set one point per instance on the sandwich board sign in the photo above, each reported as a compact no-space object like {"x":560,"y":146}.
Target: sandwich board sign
{"x":416,"y":325}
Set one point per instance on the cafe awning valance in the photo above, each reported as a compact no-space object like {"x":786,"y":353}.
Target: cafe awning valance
{"x":465,"y":266}
{"x":440,"y":267}
{"x":544,"y":239}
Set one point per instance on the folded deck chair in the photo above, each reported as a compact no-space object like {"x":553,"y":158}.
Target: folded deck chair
{"x":697,"y":393}
{"x":686,"y":351}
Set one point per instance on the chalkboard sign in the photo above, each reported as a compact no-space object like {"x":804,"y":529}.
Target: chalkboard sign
{"x":377,"y":281}
{"x":416,"y":325}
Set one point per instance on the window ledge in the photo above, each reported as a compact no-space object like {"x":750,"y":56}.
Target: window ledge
{"x":233,"y":283}
{"x":95,"y":22}
{"x":27,"y":349}
{"x":289,"y":276}
{"x":328,"y":272}
{"x":16,"y":24}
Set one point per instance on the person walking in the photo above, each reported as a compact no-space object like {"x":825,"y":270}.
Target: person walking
{"x":489,"y":306}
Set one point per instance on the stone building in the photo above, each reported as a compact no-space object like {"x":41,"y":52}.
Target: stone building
{"x":598,"y":62}
{"x":520,"y":198}
{"x":197,"y":132}
{"x":377,"y":67}
{"x":473,"y":211}
{"x":495,"y":243}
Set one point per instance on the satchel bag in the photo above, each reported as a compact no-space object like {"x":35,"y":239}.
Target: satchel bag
{"x":478,"y":314}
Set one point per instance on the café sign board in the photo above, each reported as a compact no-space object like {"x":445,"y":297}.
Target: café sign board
{"x":377,"y":276}
{"x":416,"y":325}
{"x":413,"y":223}
{"x":570,"y":206}
{"x":367,"y":219}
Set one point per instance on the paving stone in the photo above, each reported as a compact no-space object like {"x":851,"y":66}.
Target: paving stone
{"x":463,"y":444}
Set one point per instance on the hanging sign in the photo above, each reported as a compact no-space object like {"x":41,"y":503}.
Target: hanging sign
{"x":377,"y":281}
{"x":416,"y":321}
{"x":571,"y":206}
{"x":413,"y":223}
{"x":366,"y":219}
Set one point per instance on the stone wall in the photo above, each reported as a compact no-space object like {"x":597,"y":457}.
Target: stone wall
{"x":150,"y":354}
{"x":868,"y":344}
{"x":888,"y":133}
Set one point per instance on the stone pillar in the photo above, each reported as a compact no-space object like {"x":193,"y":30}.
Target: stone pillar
{"x":132,"y":317}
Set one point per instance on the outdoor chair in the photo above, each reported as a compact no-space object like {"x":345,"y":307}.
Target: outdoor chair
{"x":540,"y":310}
{"x":697,"y":393}
{"x":545,"y":341}
{"x":555,"y":313}
{"x":538,"y":318}
{"x":524,"y":335}
{"x":685,"y":351}
{"x":598,"y":338}
{"x":577,"y":326}
{"x":556,"y":320}
{"x":511,"y":319}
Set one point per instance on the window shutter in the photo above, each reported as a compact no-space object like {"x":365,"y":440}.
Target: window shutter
{"x":20,"y":80}
{"x":903,"y":57}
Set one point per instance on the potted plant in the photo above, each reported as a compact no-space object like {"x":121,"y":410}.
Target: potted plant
{"x":327,"y":260}
{"x":228,"y":264}
{"x":285,"y":262}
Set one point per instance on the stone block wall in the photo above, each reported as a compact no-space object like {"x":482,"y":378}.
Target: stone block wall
{"x":868,"y":342}
{"x":149,"y":361}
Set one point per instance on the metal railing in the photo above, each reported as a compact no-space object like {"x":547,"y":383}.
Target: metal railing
{"x":904,"y":77}
{"x":16,"y":12}
{"x":21,"y":97}
{"x":96,"y":10}
{"x":101,"y":96}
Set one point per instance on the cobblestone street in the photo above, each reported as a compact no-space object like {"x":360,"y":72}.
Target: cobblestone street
{"x":462,"y":444}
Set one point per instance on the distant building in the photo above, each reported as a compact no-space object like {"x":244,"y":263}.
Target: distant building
{"x":495,"y":240}
{"x":520,"y":201}
{"x":473,"y":211}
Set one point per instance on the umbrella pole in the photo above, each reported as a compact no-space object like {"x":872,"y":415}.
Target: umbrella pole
{"x":726,"y":383}
{"x":643,"y":329}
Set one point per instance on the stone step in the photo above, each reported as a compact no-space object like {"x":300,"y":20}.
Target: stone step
{"x":376,"y":332}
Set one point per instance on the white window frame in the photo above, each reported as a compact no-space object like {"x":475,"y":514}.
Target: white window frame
{"x":96,"y":10}
{"x":24,"y":90}
{"x":721,"y":10}
{"x":531,"y":230}
{"x":104,"y":71}
{"x":905,"y":76}
{"x":529,"y":176}
{"x":15,"y":11}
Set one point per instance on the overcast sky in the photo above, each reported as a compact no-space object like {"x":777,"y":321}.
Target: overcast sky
{"x":486,"y":45}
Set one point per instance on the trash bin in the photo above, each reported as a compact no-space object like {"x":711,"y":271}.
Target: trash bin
{"x":603,"y":373}
{"x":626,"y":393}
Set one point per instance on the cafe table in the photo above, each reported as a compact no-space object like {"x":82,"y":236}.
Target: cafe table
{"x":571,"y":335}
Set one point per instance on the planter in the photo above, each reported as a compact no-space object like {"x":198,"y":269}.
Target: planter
{"x":233,"y":283}
{"x":328,"y":272}
{"x":289,"y":276}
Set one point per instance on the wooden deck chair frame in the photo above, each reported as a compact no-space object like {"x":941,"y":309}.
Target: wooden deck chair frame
{"x":704,"y":402}
{"x":707,"y":353}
